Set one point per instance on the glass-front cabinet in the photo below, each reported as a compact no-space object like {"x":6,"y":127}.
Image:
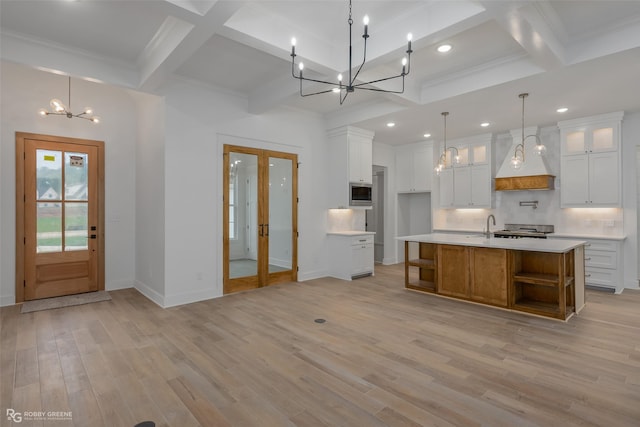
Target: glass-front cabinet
{"x":590,"y":173}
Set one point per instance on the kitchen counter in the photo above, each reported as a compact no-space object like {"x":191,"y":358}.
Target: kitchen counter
{"x":351,"y":233}
{"x":544,"y":277}
{"x":526,"y":244}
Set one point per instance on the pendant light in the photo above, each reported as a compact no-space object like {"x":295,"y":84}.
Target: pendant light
{"x":442,"y":161}
{"x":344,"y":88}
{"x":59,"y":109}
{"x":518,"y":154}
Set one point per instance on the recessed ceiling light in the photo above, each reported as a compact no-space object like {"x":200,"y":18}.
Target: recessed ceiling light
{"x":390,"y":124}
{"x":427,"y":135}
{"x":562,"y":110}
{"x":444,"y":48}
{"x":485,"y":124}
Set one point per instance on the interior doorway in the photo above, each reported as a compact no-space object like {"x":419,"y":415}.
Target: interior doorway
{"x":375,"y":215}
{"x":260,"y":218}
{"x":59,"y":216}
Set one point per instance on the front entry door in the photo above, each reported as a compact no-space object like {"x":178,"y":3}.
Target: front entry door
{"x":260,"y":218}
{"x":62,"y":220}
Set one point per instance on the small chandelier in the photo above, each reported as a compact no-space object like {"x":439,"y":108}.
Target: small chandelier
{"x":518,"y":154}
{"x":59,"y":109}
{"x":350,"y":86}
{"x":442,"y":161}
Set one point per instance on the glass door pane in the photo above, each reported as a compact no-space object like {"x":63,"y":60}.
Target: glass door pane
{"x":280,"y":214}
{"x":48,"y":201}
{"x":243,"y":215}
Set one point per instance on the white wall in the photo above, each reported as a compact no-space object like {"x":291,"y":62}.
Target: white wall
{"x":199,"y":122}
{"x":24,"y":91}
{"x":149,"y":224}
{"x":163,"y":177}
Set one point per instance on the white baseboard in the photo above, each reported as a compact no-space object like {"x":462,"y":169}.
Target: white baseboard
{"x":189,"y":297}
{"x":6,"y":300}
{"x":310,"y":275}
{"x":150,"y":293}
{"x":115,"y":285}
{"x":389,"y":261}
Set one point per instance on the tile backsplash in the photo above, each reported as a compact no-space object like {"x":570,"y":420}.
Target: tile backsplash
{"x":345,"y":220}
{"x":507,"y":209}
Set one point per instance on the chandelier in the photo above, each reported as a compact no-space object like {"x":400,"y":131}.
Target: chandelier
{"x":518,"y":154}
{"x":345,"y":88}
{"x":59,"y":109}
{"x":442,"y":161}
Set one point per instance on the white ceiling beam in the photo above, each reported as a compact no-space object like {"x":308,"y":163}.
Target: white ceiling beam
{"x":183,"y":39}
{"x":360,"y":112}
{"x":51,"y":57}
{"x":526,"y":22}
{"x":477,"y":78}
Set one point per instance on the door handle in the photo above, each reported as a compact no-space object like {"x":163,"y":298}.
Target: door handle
{"x":94,"y":236}
{"x":267,"y":230}
{"x":261,"y":230}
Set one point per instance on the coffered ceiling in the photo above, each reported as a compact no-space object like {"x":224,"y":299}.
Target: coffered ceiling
{"x":584,"y":55}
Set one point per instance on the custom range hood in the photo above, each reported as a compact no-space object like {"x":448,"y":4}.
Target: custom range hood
{"x":533,"y":174}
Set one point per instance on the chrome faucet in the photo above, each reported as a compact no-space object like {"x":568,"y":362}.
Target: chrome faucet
{"x":487,"y":232}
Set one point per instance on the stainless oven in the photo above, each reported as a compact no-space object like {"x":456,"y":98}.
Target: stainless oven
{"x":360,"y":194}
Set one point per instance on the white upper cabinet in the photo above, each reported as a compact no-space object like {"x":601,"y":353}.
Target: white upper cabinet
{"x":360,"y":159}
{"x":414,"y":168}
{"x":351,"y":159}
{"x":590,"y":174}
{"x":467,"y":184}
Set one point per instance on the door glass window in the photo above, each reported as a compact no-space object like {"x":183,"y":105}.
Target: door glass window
{"x":76,"y":227}
{"x":48,"y":201}
{"x":75,"y":176}
{"x":49,"y":227}
{"x":280,"y":214}
{"x":243,"y":215}
{"x":59,"y":209}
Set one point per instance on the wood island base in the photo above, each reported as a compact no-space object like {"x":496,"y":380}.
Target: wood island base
{"x":538,"y":282}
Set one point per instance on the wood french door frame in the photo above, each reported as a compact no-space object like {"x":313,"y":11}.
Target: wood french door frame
{"x":21,"y":196}
{"x":263,"y":277}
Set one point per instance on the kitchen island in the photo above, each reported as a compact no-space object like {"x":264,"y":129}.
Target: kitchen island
{"x":537,"y":276}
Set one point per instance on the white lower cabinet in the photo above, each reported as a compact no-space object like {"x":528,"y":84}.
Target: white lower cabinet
{"x":350,"y":256}
{"x":603,"y":263}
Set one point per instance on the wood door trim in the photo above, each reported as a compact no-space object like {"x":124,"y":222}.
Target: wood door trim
{"x":264,"y":277}
{"x":21,"y":137}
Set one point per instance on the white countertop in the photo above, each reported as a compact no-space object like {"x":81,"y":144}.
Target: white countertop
{"x":586,"y":236}
{"x":562,"y":235}
{"x":526,"y":244}
{"x":351,"y":233}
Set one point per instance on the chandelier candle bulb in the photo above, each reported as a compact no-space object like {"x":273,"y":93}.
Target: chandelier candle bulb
{"x":409,"y":37}
{"x":293,"y":46}
{"x":365,"y":20}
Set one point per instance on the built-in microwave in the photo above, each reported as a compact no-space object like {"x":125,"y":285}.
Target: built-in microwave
{"x":360,"y":194}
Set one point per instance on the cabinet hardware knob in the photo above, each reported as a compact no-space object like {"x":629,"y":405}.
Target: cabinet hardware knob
{"x":588,"y":259}
{"x":587,"y":275}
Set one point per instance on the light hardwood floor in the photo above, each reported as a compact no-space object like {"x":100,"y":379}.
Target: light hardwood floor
{"x":384,"y":356}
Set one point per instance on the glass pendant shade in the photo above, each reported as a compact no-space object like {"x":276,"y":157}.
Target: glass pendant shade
{"x":540,"y":150}
{"x":57,"y":105}
{"x":516,"y":163}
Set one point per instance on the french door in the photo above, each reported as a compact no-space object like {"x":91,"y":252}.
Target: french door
{"x":59,"y":216}
{"x":260,"y":218}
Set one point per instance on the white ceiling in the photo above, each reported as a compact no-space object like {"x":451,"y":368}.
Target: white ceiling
{"x":584,"y":55}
